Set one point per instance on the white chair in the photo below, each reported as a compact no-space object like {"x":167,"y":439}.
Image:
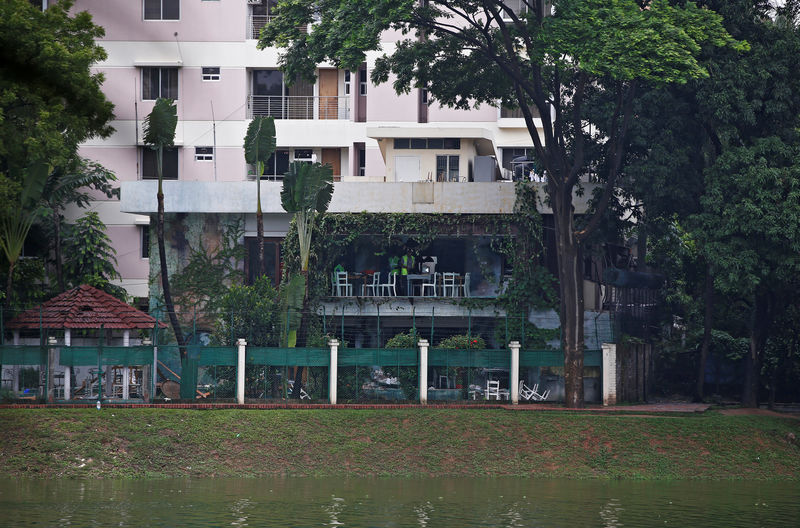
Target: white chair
{"x":431,"y":285}
{"x":493,"y":389}
{"x":540,"y":396}
{"x":525,"y":392}
{"x":374,"y":286}
{"x":390,"y":288}
{"x":343,"y":286}
{"x":449,"y":284}
{"x":464,"y":286}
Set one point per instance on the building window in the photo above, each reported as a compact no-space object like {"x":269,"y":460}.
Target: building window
{"x":362,"y":82}
{"x":428,"y":143}
{"x":347,"y":82}
{"x":159,"y":82}
{"x":362,"y":161}
{"x":204,"y":153}
{"x":272,"y":97}
{"x":162,"y":9}
{"x":144,"y":233}
{"x":150,"y":167}
{"x":424,"y":95}
{"x":275,"y":167}
{"x":210,"y":73}
{"x":447,"y":168}
{"x":303,"y":155}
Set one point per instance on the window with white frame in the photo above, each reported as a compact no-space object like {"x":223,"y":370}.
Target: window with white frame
{"x":347,"y":82}
{"x":210,"y":73}
{"x":447,"y":168}
{"x":204,"y":153}
{"x":362,"y":82}
{"x":162,"y":9}
{"x":169,"y":163}
{"x":159,"y":82}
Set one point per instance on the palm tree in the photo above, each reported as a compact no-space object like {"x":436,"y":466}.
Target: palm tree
{"x":159,"y":132}
{"x":307,"y":191}
{"x":259,"y":144}
{"x":17,"y":218}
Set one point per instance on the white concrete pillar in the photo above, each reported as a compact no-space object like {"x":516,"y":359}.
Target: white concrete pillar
{"x":423,"y":370}
{"x":126,"y":371}
{"x":51,"y":370}
{"x":242,"y":349}
{"x":333,"y":373}
{"x":67,"y":368}
{"x":514,"y":375}
{"x":609,"y":373}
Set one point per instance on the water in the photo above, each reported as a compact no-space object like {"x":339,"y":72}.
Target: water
{"x":502,"y":502}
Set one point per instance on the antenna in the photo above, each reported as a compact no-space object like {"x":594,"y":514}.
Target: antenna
{"x":214,"y":135}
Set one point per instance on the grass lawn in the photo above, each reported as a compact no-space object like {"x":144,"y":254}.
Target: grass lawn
{"x":147,"y":443}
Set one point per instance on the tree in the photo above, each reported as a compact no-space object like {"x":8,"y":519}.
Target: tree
{"x":472,"y":52}
{"x":259,"y":144}
{"x":50,"y":101}
{"x":306,"y":192}
{"x":159,"y":132}
{"x":697,"y":142}
{"x":71,"y":185}
{"x":90,"y":258}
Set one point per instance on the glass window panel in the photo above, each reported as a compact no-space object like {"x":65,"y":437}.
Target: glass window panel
{"x":452,"y":143}
{"x":419,"y":143}
{"x":171,"y":9}
{"x":152,"y":9}
{"x":169,"y":83}
{"x":441,"y":168}
{"x":281,"y":162}
{"x":453,"y":169}
{"x":435,"y":143}
{"x":150,"y":167}
{"x":150,"y":83}
{"x":267,"y":82}
{"x":401,"y":143}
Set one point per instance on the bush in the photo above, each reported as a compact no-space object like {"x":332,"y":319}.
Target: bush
{"x":463,"y":342}
{"x":404,"y":339}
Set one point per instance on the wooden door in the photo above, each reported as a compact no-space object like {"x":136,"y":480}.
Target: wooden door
{"x":332,"y":157}
{"x":328,"y":94}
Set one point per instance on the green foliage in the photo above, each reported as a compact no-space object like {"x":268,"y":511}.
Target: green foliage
{"x":89,"y":256}
{"x":293,"y":307}
{"x":259,"y":143}
{"x":404,"y":339}
{"x":210,"y":271}
{"x":250,"y":312}
{"x":159,"y":125}
{"x":463,"y":342}
{"x":50,"y":101}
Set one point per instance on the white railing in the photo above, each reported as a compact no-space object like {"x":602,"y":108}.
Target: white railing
{"x":298,"y":107}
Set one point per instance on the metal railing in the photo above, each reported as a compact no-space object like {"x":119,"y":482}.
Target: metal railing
{"x":256,"y":22}
{"x":298,"y":107}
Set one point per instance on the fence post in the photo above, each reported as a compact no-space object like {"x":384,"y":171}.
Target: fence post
{"x":423,"y":370}
{"x":334,"y":370}
{"x":241,"y":345}
{"x":514,"y":346}
{"x":67,"y":368}
{"x":52,"y":342}
{"x":126,"y":370}
{"x":609,"y":368}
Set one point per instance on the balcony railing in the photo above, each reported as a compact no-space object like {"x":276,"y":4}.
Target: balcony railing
{"x":298,"y":107}
{"x":257,"y":22}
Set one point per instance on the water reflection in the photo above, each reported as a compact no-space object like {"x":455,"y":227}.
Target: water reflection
{"x":505,"y":502}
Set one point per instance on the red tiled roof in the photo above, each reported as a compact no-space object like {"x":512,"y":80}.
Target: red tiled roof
{"x":83,"y":307}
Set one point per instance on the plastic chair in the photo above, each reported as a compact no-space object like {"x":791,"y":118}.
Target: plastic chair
{"x":464,"y":286}
{"x":431,"y":285}
{"x":375,"y":285}
{"x":389,"y":288}
{"x":493,"y":389}
{"x":449,"y":283}
{"x":343,"y":287}
{"x":540,"y":396}
{"x":525,"y":392}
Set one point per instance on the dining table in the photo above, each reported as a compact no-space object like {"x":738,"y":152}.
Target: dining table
{"x":411,"y":277}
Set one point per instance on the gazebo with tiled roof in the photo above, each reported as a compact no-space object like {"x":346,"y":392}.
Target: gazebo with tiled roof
{"x":83,"y":308}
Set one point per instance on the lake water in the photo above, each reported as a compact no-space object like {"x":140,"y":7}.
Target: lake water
{"x":397,"y":503}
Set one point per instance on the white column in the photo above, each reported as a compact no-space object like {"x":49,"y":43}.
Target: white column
{"x":609,"y":373}
{"x":242,"y":346}
{"x":514,"y":346}
{"x":51,"y":371}
{"x":67,"y":369}
{"x":126,"y":371}
{"x":333,"y":370}
{"x":423,"y":370}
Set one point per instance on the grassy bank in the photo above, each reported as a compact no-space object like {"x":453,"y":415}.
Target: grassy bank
{"x":134,"y":443}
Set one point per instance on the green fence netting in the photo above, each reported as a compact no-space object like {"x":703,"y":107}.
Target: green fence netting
{"x":401,"y":357}
{"x":23,"y":355}
{"x":453,"y":357}
{"x":288,"y":357}
{"x":269,"y":372}
{"x":555,"y":358}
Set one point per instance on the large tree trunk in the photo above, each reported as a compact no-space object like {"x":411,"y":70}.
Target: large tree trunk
{"x":162,"y":257}
{"x":759,"y":330}
{"x":570,"y":276}
{"x":708,"y":318}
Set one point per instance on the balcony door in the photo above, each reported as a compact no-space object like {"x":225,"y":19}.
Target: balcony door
{"x":271,"y":96}
{"x":328,"y":94}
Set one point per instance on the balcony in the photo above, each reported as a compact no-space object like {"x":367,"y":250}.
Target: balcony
{"x":256,"y":22}
{"x":298,"y":107}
